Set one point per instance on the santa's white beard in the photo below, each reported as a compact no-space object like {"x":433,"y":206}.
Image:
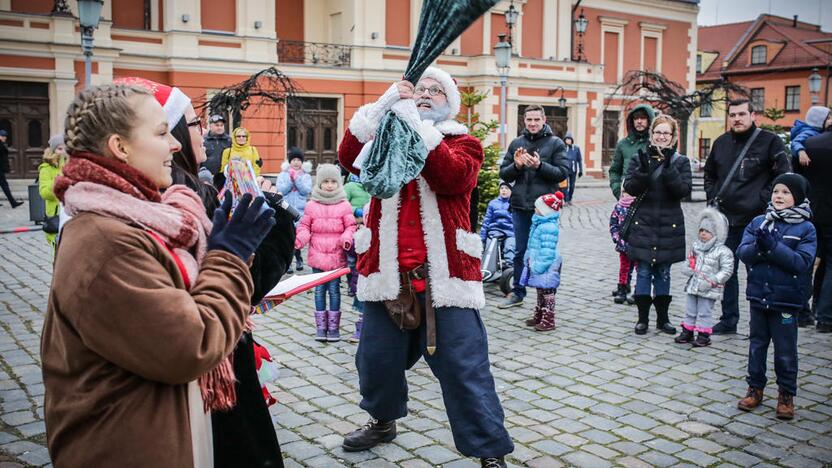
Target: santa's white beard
{"x":435,"y":113}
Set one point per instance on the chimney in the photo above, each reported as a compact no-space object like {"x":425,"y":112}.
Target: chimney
{"x":794,"y":22}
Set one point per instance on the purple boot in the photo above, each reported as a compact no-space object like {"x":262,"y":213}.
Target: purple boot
{"x":320,"y":325}
{"x":357,"y":335}
{"x":333,"y":325}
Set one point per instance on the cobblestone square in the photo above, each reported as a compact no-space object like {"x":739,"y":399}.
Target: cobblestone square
{"x":590,"y":393}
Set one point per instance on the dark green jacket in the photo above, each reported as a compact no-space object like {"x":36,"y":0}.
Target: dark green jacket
{"x":627,"y":148}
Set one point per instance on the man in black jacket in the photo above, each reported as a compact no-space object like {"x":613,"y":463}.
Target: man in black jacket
{"x":4,"y":168}
{"x":216,"y":141}
{"x":746,"y":193}
{"x":819,"y":174}
{"x":535,"y":163}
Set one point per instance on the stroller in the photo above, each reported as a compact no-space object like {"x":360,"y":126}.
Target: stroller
{"x":495,"y":268}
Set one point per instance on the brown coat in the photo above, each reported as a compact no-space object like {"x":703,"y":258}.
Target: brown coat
{"x":121,"y":340}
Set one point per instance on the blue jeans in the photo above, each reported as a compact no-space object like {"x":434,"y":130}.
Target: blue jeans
{"x":333,"y":288}
{"x":571,"y":189}
{"x":653,"y":278}
{"x":522,"y":221}
{"x":731,"y":295}
{"x":824,"y":300}
{"x":460,"y":363}
{"x":779,"y":327}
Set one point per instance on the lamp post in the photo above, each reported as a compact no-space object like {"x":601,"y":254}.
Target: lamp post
{"x":814,"y":85}
{"x":502,"y":54}
{"x":581,"y":24}
{"x":89,"y":13}
{"x":511,"y":20}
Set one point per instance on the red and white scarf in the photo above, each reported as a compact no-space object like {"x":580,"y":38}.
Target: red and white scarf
{"x":108,"y":187}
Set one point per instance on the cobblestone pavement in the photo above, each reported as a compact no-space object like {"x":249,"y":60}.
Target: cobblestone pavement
{"x":589,"y":394}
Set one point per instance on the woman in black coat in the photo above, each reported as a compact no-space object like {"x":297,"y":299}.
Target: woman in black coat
{"x":244,"y":435}
{"x":661,"y":178}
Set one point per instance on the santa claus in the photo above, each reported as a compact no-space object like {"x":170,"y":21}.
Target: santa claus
{"x":420,"y":239}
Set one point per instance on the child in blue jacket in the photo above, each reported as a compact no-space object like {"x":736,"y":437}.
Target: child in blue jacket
{"x":542,"y":261}
{"x":778,"y":249}
{"x":817,"y":120}
{"x":498,"y":220}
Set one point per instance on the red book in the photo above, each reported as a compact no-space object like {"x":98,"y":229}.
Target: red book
{"x":295,"y":285}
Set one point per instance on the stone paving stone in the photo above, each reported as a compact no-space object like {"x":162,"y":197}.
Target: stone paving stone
{"x":658,"y":459}
{"x":696,"y":457}
{"x":632,"y":462}
{"x":581,"y":458}
{"x":550,"y":447}
{"x":436,"y":454}
{"x":544,"y":462}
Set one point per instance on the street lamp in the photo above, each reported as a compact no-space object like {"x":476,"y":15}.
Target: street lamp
{"x":814,"y":85}
{"x":561,"y":99}
{"x":502,"y":54}
{"x":581,"y":24}
{"x":511,"y":20}
{"x":89,"y":13}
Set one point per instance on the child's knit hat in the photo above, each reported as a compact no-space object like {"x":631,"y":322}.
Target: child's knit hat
{"x":816,"y":116}
{"x":549,"y":203}
{"x":797,"y":184}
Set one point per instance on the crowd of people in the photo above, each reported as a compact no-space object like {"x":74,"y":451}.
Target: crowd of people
{"x":156,"y":274}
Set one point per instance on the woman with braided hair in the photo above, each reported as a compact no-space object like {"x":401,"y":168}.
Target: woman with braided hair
{"x":150,"y":296}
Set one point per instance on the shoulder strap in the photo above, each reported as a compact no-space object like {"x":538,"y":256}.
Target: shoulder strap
{"x":176,"y":259}
{"x":737,"y":162}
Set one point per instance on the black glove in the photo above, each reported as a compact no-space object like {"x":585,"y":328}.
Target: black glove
{"x":580,"y":174}
{"x":667,"y":158}
{"x":766,"y":240}
{"x":643,"y":160}
{"x":247,"y":227}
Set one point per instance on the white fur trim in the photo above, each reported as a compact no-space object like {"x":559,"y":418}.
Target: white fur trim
{"x":362,"y":155}
{"x":384,"y":284}
{"x":445,"y":291}
{"x":469,"y":243}
{"x":448,"y":85}
{"x":175,"y":106}
{"x":364,"y":122}
{"x":544,"y":209}
{"x":451,"y":127}
{"x":406,"y":110}
{"x":430,"y":135}
{"x":362,"y":239}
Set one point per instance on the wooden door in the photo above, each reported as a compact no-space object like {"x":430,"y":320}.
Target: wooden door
{"x":313,"y":127}
{"x":24,"y":115}
{"x":609,"y":137}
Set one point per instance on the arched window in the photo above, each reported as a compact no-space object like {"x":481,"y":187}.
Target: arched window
{"x":758,"y":55}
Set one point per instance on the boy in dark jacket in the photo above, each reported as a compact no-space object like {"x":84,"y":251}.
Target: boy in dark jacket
{"x":778,"y":249}
{"x":498,"y":220}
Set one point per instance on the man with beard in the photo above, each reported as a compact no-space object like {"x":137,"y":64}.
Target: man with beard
{"x":741,"y":192}
{"x":419,"y":242}
{"x":535,"y":163}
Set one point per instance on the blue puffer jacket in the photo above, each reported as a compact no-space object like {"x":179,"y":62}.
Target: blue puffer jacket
{"x":295,"y":192}
{"x":542,"y":261}
{"x":776,"y":278}
{"x":497,"y":218}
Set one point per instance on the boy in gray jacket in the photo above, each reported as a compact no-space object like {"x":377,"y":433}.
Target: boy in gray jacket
{"x":710,"y":264}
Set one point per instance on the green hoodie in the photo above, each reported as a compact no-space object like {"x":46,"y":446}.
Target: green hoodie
{"x":628,"y":147}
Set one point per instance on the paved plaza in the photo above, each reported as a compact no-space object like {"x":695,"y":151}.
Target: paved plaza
{"x":589,"y":394}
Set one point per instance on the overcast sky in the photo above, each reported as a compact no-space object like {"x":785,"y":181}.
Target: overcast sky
{"x":732,"y":11}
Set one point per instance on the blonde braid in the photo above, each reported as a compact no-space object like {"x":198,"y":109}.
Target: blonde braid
{"x":97,"y":113}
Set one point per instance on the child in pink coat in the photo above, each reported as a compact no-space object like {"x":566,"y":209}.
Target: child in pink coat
{"x":327,"y":226}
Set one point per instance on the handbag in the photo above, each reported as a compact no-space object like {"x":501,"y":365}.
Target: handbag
{"x":404,"y":310}
{"x":51,"y":224}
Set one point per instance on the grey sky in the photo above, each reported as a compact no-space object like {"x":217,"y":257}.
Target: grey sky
{"x":732,"y":11}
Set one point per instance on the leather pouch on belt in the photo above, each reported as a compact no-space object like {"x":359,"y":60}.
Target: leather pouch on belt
{"x":404,"y":311}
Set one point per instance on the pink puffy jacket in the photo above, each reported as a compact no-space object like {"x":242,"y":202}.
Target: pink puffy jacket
{"x":325,"y":228}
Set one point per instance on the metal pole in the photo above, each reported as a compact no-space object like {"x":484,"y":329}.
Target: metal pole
{"x":503,"y":105}
{"x":86,"y":44}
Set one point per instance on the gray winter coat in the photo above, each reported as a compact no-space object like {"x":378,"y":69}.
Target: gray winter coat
{"x":714,"y":262}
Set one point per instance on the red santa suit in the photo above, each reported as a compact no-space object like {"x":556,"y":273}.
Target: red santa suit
{"x":441,"y":197}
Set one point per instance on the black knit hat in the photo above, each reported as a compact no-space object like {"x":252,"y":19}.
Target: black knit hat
{"x":502,"y":182}
{"x":295,"y":153}
{"x":797,"y":184}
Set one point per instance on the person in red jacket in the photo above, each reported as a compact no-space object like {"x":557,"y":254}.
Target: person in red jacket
{"x":422,"y":236}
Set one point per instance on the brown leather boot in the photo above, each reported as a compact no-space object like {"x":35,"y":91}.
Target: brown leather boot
{"x":752,"y":399}
{"x":785,"y":406}
{"x":538,"y":312}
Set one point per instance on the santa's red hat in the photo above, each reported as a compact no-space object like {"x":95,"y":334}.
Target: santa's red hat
{"x":448,"y":85}
{"x":172,"y":99}
{"x":549,"y":203}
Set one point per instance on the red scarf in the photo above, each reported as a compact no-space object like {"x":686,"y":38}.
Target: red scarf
{"x":91,"y":183}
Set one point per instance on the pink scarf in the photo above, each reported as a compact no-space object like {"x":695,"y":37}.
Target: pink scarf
{"x":98,"y":185}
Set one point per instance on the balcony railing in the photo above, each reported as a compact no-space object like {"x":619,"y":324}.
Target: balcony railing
{"x":314,"y":53}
